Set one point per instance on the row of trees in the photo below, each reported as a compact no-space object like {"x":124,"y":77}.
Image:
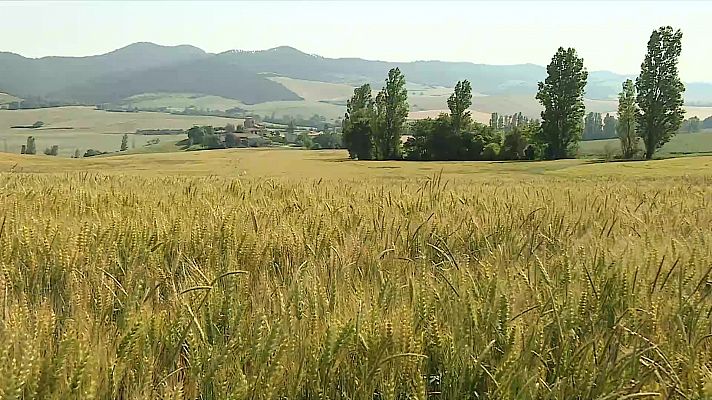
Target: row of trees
{"x":30,"y":147}
{"x":596,"y":126}
{"x":692,"y":125}
{"x":650,"y":109}
{"x":372,"y":128}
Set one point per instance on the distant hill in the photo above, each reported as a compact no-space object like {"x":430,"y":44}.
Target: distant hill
{"x":134,"y":69}
{"x":245,"y":75}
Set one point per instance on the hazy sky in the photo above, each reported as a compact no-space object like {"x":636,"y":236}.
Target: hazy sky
{"x":609,"y":35}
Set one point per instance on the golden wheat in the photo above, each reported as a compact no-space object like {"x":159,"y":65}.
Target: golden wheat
{"x":215,"y":288}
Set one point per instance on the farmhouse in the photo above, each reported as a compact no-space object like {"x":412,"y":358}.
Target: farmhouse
{"x":241,"y":139}
{"x":251,"y":126}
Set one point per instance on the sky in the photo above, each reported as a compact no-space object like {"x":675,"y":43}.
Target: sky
{"x":609,"y":35}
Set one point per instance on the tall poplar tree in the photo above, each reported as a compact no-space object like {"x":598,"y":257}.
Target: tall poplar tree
{"x":660,"y":89}
{"x":458,"y":103}
{"x":391,"y":111}
{"x":626,"y":120}
{"x":356,"y":126}
{"x":561,"y":94}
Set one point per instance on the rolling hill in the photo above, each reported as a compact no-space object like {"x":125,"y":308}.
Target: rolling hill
{"x":275,"y":75}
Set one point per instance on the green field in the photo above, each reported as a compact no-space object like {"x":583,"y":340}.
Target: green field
{"x":181,"y":101}
{"x":289,"y":274}
{"x":680,"y":144}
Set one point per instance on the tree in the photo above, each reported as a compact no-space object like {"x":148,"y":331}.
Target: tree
{"x":494,"y":122}
{"x":357,"y":136}
{"x":690,"y":125}
{"x":491,"y":152}
{"x":30,"y":147}
{"x":593,"y":126}
{"x":659,"y":88}
{"x":212,"y":141}
{"x":609,"y":126}
{"x":458,"y":103}
{"x":561,"y":94}
{"x":304,"y":140}
{"x":391,"y":110}
{"x":513,"y":145}
{"x":52,"y":151}
{"x":231,"y":140}
{"x":229,"y":128}
{"x":694,"y":124}
{"x":124,"y":143}
{"x":707,"y":123}
{"x":327,"y":141}
{"x":195,"y":135}
{"x":626,"y":120}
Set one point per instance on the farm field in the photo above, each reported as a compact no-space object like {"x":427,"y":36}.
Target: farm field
{"x":284,"y":273}
{"x":319,"y":98}
{"x":6,"y":98}
{"x":692,"y":143}
{"x":84,"y":128}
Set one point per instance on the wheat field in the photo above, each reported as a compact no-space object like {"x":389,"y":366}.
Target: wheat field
{"x":443,"y":285}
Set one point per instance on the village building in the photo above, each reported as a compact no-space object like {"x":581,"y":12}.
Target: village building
{"x":252,"y":126}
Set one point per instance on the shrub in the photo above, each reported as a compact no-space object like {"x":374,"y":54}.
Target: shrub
{"x":490,"y":152}
{"x":52,"y":151}
{"x":211,"y":141}
{"x":93,"y":152}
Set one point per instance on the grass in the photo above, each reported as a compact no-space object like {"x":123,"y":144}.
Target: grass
{"x":295,"y":108}
{"x":680,"y":144}
{"x":180,"y":101}
{"x":275,"y":274}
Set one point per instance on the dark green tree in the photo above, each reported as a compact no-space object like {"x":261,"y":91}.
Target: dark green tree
{"x":231,"y":140}
{"x":561,"y":94}
{"x":609,"y":126}
{"x":124,"y":142}
{"x":195,"y":135}
{"x":357,"y":136}
{"x":660,"y":89}
{"x":626,"y":120}
{"x":458,"y":103}
{"x":31,"y":148}
{"x":593,"y":126}
{"x":514,"y":144}
{"x":391,"y":110}
{"x":211,"y":141}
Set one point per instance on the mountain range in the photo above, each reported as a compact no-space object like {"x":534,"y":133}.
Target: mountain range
{"x":245,"y":75}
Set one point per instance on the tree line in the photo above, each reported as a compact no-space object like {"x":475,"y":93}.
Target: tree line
{"x":649,"y":110}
